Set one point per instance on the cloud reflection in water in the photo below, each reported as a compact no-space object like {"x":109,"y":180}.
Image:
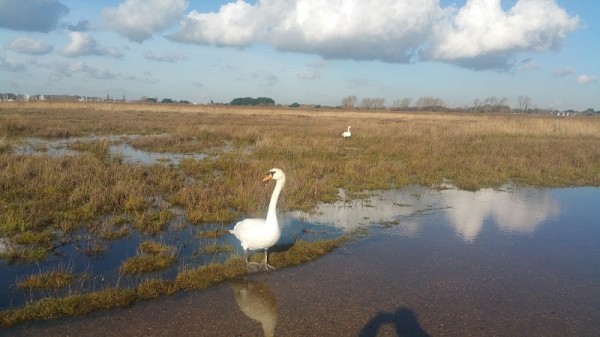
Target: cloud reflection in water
{"x":519,"y":210}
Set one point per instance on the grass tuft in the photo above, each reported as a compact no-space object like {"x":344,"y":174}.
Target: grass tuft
{"x":51,"y":280}
{"x":152,"y":256}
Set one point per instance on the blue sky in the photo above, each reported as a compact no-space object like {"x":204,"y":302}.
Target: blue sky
{"x":305,"y":51}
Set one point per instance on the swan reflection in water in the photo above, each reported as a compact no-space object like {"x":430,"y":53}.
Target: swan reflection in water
{"x":257,"y":301}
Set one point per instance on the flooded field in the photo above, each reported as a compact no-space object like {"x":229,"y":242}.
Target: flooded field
{"x":497,"y":262}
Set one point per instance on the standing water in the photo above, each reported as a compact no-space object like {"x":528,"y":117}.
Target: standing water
{"x":511,"y":262}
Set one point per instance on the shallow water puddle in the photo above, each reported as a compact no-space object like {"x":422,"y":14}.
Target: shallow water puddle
{"x":100,"y":269}
{"x":438,"y":263}
{"x":512,"y":210}
{"x":118,"y":148}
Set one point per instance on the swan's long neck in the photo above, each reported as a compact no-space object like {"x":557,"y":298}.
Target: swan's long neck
{"x":272,"y":213}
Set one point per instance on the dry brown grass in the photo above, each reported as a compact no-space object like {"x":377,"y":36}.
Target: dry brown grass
{"x":387,"y":150}
{"x":152,"y":256}
{"x":55,"y":279}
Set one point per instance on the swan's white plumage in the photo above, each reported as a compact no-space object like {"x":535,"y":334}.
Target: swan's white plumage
{"x":256,"y":234}
{"x":347,"y":133}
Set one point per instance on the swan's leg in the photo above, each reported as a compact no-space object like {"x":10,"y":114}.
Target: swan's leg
{"x":251,"y":267}
{"x":268,"y":267}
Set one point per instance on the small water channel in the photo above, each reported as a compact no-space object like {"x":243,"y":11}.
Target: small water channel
{"x":503,"y":262}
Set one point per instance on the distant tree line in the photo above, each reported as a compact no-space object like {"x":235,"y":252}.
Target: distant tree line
{"x":492,"y":104}
{"x":249,"y":101}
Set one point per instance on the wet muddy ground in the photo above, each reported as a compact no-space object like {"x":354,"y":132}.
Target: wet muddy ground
{"x":462,"y":264}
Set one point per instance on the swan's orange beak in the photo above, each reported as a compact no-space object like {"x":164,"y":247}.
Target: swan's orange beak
{"x":268,"y":177}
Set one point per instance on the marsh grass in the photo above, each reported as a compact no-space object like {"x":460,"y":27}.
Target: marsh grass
{"x":25,"y":254}
{"x":211,"y":234}
{"x":115,"y":234}
{"x":386,"y":150}
{"x":152,"y":256}
{"x":76,"y":304}
{"x":215,"y":248}
{"x":100,"y":149}
{"x":55,"y":279}
{"x":192,"y":279}
{"x":4,"y":145}
{"x":152,"y":222}
{"x":44,"y":238}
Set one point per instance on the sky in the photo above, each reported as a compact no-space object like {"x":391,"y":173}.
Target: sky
{"x":305,"y":51}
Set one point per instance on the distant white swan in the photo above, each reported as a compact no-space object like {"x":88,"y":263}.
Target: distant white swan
{"x":256,"y":234}
{"x":347,"y":134}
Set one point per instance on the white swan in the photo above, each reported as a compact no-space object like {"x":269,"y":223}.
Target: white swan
{"x":256,"y":234}
{"x":347,"y":134}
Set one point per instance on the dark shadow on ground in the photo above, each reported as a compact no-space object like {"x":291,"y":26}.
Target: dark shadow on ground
{"x":404,"y":320}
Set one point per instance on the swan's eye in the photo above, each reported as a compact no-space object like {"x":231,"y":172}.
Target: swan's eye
{"x":272,"y":173}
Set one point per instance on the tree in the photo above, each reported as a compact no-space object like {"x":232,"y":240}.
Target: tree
{"x":348,"y":102}
{"x":401,"y":103}
{"x":372,"y":103}
{"x":294,"y":105}
{"x":249,"y":101}
{"x":491,"y":104}
{"x":429,"y":103}
{"x":524,"y":103}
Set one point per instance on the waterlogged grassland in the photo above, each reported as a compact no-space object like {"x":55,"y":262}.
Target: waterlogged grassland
{"x":44,"y":198}
{"x":193,"y":279}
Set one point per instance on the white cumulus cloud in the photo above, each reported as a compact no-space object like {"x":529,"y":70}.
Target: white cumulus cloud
{"x":236,"y":24}
{"x":586,"y":79}
{"x":139,"y":20}
{"x":479,"y":35}
{"x":82,"y":44}
{"x":27,"y":45}
{"x":482,"y":29}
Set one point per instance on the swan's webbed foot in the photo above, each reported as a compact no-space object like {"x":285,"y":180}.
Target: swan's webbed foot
{"x":266,"y":267}
{"x":265,"y":264}
{"x":252,"y":267}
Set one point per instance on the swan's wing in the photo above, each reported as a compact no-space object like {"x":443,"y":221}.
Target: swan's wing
{"x":256,"y":234}
{"x":248,"y":228}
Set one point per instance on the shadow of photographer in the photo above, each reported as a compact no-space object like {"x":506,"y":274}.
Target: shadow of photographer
{"x":404,"y":321}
